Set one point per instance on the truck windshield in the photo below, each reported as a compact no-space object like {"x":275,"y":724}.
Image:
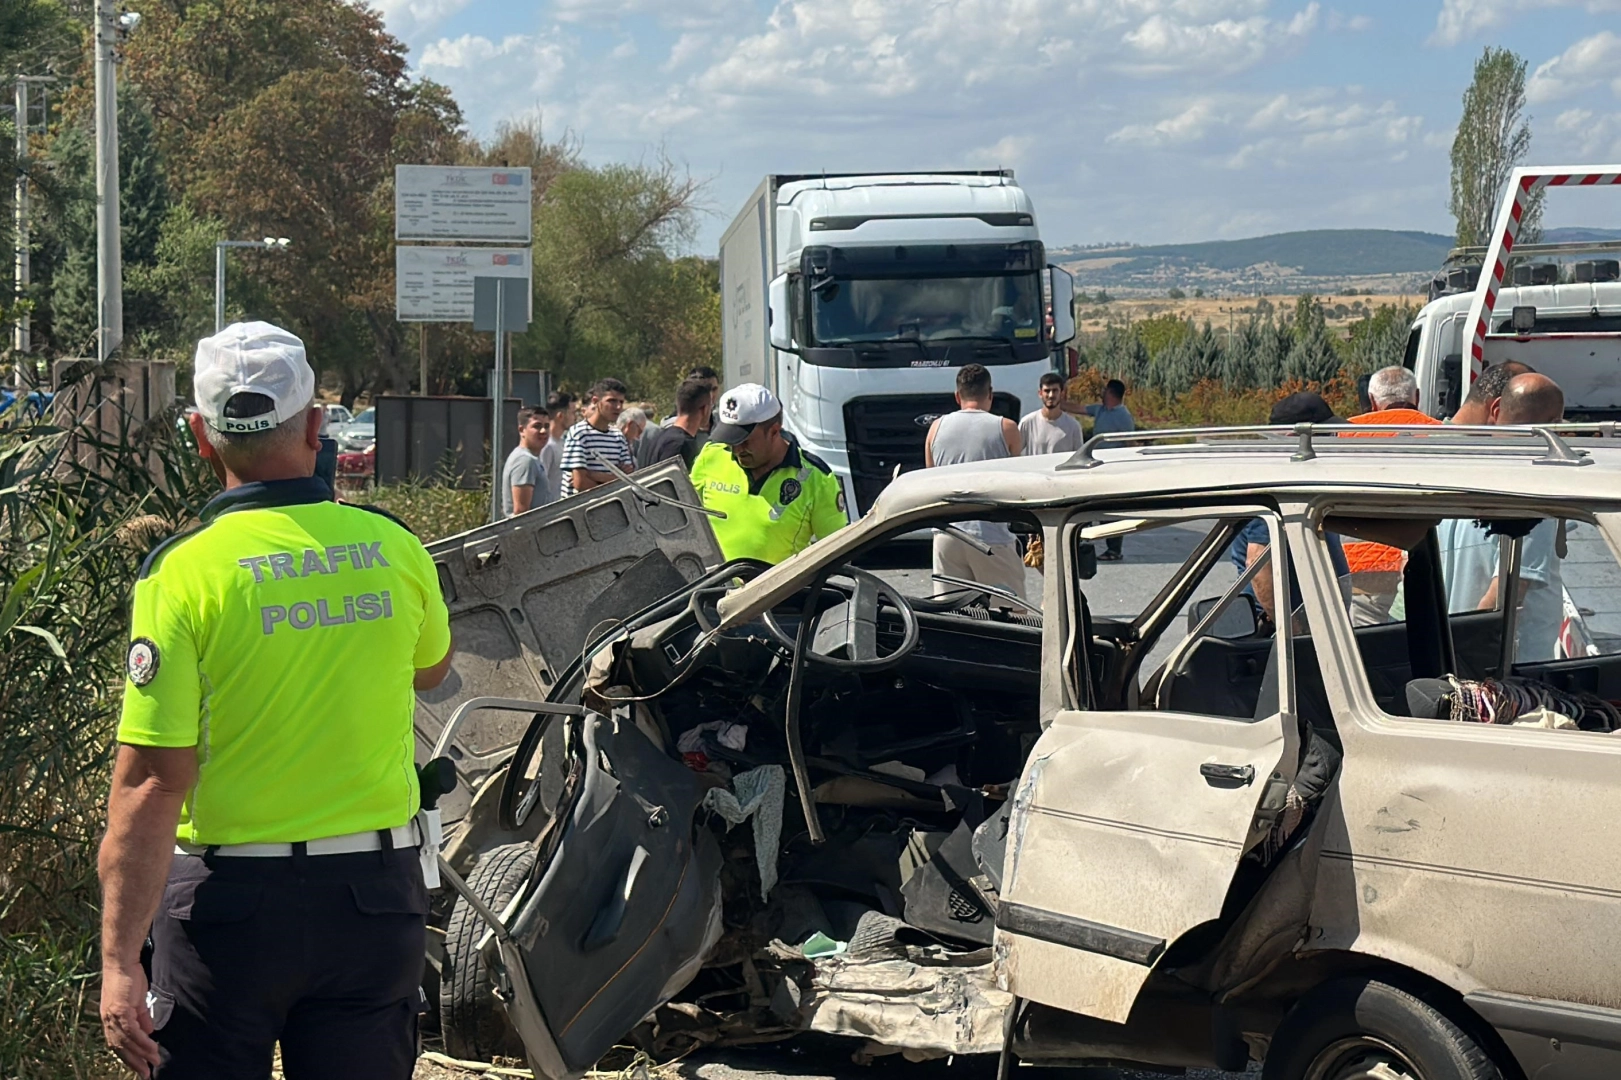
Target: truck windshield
{"x":1003,"y":307}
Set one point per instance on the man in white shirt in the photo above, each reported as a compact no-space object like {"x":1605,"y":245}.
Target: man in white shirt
{"x":1049,"y":429}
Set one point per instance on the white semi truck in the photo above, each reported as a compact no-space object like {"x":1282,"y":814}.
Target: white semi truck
{"x":856,"y":298}
{"x":1556,"y":307}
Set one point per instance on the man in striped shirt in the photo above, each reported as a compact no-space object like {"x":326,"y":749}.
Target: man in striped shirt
{"x":594,"y":440}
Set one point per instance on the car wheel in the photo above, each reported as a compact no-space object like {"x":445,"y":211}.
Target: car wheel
{"x":1365,"y":1029}
{"x":473,"y":1023}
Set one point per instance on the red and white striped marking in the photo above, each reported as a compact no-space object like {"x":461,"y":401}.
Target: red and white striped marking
{"x":1523,"y":184}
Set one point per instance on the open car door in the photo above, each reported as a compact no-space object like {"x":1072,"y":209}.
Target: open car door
{"x":526,"y":593}
{"x":1126,"y":831}
{"x":622,"y":904}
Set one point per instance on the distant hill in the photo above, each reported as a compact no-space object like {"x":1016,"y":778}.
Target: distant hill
{"x":1315,"y":253}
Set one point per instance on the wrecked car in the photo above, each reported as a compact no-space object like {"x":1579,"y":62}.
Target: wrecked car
{"x":1212,"y":831}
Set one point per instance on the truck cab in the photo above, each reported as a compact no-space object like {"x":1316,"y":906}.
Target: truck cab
{"x":1554,"y":306}
{"x":857,"y":298}
{"x":1568,"y":327}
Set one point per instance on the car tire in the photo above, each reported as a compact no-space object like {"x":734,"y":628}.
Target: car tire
{"x":473,"y":1023}
{"x":1368,"y":1029}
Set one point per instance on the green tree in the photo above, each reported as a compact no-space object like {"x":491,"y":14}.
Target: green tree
{"x":603,"y":269}
{"x":1494,"y":135}
{"x":1161,"y":332}
{"x":286,"y":118}
{"x":1312,"y":356}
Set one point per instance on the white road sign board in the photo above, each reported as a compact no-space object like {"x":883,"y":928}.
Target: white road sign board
{"x":454,"y":202}
{"x":435,"y":284}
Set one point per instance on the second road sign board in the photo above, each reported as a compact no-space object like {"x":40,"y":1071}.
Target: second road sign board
{"x":435,"y":284}
{"x":455,"y":202}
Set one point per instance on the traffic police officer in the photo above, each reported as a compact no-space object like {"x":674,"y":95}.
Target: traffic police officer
{"x":777,"y":498}
{"x":260,"y":823}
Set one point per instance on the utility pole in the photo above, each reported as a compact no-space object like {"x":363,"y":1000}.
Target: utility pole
{"x":22,"y":332}
{"x":422,"y":356}
{"x":109,"y":243}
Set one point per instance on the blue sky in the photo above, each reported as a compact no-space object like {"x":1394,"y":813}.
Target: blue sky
{"x":1145,"y":120}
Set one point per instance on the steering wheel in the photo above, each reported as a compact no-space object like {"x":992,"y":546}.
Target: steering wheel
{"x":858,"y":634}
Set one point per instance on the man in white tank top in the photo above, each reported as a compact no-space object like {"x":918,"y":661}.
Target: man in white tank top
{"x":974,"y":433}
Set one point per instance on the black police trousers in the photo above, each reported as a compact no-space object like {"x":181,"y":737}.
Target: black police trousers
{"x":322,"y":953}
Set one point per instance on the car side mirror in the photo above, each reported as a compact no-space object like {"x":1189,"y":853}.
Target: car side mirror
{"x":1239,"y":620}
{"x":1086,"y":562}
{"x":782,"y":331}
{"x":1063,"y":291}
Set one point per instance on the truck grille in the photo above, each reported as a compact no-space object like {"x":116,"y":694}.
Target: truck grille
{"x":883,"y":432}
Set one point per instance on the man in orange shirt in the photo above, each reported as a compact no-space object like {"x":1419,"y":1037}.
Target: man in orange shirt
{"x":1394,"y":394}
{"x":1376,"y":569}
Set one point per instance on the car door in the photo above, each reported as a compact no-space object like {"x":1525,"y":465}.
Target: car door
{"x":1127,"y":828}
{"x":627,"y":903}
{"x":526,"y":593}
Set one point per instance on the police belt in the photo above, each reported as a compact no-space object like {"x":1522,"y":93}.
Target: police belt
{"x":401,"y":836}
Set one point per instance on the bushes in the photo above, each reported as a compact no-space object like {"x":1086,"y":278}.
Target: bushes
{"x":78,"y":512}
{"x":432,"y":511}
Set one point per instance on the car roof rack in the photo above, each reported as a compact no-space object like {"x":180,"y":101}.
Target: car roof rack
{"x":1307,"y":441}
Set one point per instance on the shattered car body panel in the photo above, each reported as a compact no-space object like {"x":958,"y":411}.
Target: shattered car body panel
{"x":1166,"y":862}
{"x":525,"y":593}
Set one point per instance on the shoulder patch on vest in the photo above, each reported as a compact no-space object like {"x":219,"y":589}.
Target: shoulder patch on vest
{"x":816,"y":461}
{"x":380,"y":512}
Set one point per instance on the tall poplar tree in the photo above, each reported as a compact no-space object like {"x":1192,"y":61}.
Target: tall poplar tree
{"x":1494,"y":135}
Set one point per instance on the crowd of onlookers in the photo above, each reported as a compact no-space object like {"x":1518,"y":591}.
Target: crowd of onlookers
{"x":573,"y":444}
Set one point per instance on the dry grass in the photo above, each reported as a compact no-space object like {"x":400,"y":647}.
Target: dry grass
{"x":1341,"y":311}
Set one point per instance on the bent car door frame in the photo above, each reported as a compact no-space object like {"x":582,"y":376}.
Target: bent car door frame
{"x":1127,"y":827}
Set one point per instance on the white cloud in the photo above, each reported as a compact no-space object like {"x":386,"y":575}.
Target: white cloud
{"x":414,"y":16}
{"x":485,"y":72}
{"x":1339,"y":21}
{"x":687,"y":47}
{"x":1587,"y":64}
{"x":1189,"y":125}
{"x":890,"y":48}
{"x":677,"y":13}
{"x":1164,"y":42}
{"x":1585,"y":134}
{"x":1460,"y":19}
{"x":1240,"y":131}
{"x":1010,"y":151}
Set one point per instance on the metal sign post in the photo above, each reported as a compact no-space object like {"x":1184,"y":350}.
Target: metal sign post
{"x":500,"y":305}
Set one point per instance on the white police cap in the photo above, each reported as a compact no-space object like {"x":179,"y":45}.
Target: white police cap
{"x":252,"y":358}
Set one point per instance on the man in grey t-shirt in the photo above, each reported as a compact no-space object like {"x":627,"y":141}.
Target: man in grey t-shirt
{"x":1049,"y":430}
{"x":523,"y":478}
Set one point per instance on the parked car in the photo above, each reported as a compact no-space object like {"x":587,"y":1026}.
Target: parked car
{"x":357,"y":467}
{"x":333,"y":416}
{"x":808,"y":798}
{"x":359,"y":432}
